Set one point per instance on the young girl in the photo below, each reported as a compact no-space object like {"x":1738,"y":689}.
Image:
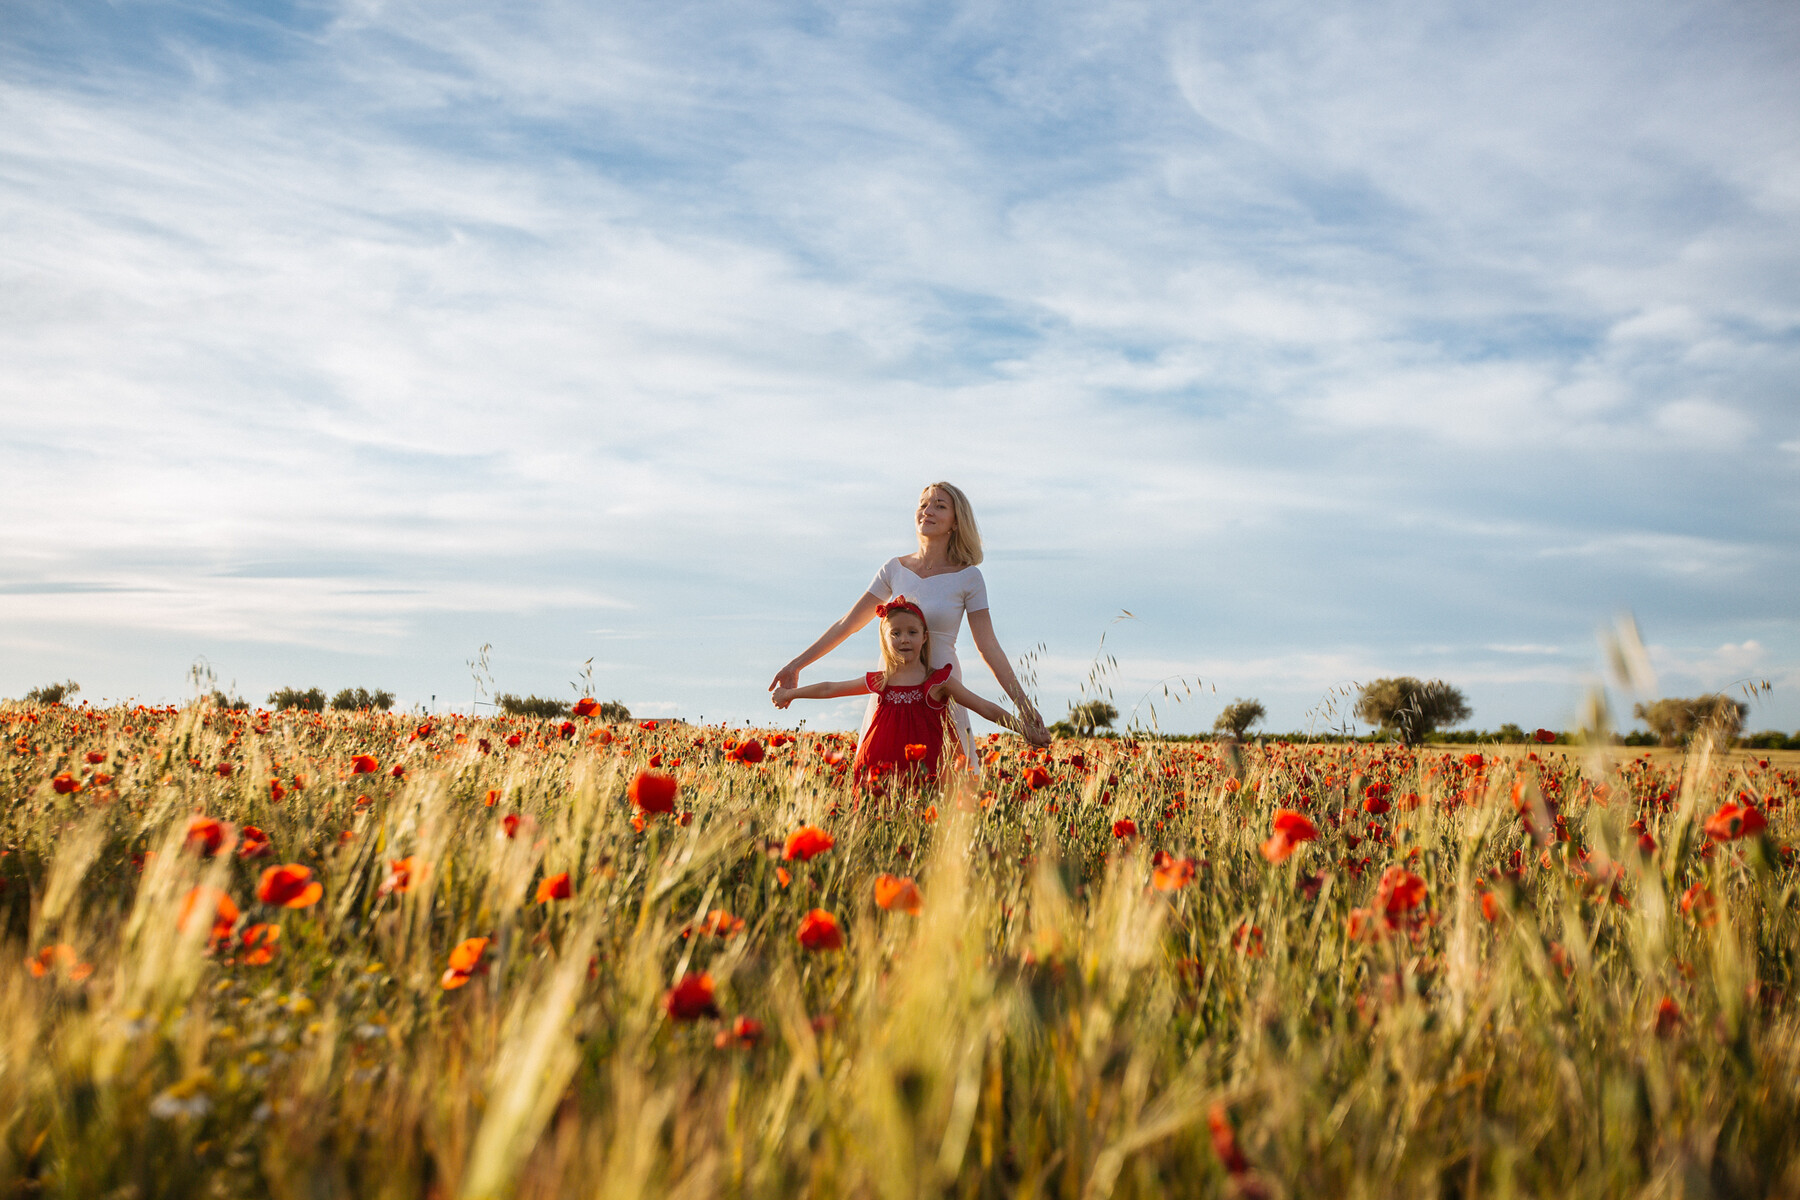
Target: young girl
{"x":906,"y":737}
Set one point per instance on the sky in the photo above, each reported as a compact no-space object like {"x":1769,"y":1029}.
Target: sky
{"x":1280,"y":346}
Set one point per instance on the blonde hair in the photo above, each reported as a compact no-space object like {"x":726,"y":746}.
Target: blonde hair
{"x":890,"y":664}
{"x":965,"y":539}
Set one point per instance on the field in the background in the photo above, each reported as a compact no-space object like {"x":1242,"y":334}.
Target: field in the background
{"x":241,"y":960}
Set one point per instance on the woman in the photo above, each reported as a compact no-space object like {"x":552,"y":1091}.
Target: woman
{"x":944,"y":580}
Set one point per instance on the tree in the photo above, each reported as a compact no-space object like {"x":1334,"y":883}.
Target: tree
{"x":531,"y":706}
{"x":53,"y":693}
{"x":1093,"y":715}
{"x":235,"y":703}
{"x":614,"y":712}
{"x":311,"y":700}
{"x":354,"y":699}
{"x":1238,"y":717}
{"x":1410,"y":708}
{"x":1674,"y":721}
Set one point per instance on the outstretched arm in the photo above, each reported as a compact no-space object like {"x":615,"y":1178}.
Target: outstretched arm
{"x":982,"y":706}
{"x":981,"y":628}
{"x":821,"y":691}
{"x":859,"y":615}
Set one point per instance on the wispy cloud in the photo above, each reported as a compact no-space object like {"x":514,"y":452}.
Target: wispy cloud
{"x":351,"y":335}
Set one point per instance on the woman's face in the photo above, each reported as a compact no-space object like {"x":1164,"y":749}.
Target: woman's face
{"x":936,"y":516}
{"x":905,"y":634}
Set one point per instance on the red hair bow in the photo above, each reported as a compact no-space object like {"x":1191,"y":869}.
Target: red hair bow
{"x":900,"y":604}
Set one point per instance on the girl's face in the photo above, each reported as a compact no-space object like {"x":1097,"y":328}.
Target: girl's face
{"x":905,"y":633}
{"x":936,"y":515}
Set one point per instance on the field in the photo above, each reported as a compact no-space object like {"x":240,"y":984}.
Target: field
{"x":319,"y":955}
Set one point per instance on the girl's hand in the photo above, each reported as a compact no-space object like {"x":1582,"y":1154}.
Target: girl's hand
{"x":788,"y":677}
{"x":1036,"y":734}
{"x":783,"y":695}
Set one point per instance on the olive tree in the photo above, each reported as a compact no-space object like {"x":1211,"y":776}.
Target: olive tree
{"x":1410,"y":708}
{"x":1238,"y":717}
{"x":1674,"y":720}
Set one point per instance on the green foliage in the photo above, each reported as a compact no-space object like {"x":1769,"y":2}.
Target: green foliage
{"x":1410,"y":708}
{"x":310,"y":700}
{"x":1090,"y":716}
{"x":533,"y":706}
{"x":1238,"y":716}
{"x":614,"y":712}
{"x":1674,"y":721}
{"x":358,"y":699}
{"x":219,"y":699}
{"x":53,"y":693}
{"x":1772,"y":739}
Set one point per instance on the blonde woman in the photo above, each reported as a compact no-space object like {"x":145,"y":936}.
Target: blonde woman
{"x":944,"y":579}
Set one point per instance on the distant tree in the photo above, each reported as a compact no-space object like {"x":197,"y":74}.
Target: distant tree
{"x":1094,"y":714}
{"x":221,"y":700}
{"x":1238,"y":717}
{"x":355,"y":699}
{"x":53,"y":693}
{"x":1674,"y":721}
{"x":614,"y":711}
{"x":1410,"y":708}
{"x":531,"y":706}
{"x":311,"y":700}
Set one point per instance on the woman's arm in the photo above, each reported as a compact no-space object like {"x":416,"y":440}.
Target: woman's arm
{"x":859,"y":615}
{"x":981,"y":628}
{"x":821,"y":691}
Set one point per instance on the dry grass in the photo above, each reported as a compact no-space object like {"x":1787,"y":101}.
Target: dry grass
{"x":1049,"y":1023}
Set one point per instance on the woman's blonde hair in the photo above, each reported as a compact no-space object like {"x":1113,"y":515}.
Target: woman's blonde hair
{"x":889,"y":664}
{"x":965,"y":539}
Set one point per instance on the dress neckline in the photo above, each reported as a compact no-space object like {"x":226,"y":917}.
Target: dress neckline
{"x":922,"y":578}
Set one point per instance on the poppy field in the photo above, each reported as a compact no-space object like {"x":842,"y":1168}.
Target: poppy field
{"x":361,"y":954}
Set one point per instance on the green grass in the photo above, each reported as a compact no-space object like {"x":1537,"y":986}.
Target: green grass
{"x":1048,"y":1024}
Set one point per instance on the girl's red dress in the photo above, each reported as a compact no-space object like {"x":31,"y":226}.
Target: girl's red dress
{"x":904,"y":716}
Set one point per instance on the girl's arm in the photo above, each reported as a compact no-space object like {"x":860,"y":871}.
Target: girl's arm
{"x":859,"y":615}
{"x":821,"y":691}
{"x":987,"y":708}
{"x":981,"y":628}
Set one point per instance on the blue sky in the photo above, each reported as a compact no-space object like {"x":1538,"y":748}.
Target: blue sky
{"x":1330,"y":341}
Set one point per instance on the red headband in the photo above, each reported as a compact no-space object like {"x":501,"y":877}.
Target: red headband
{"x":900,"y":604}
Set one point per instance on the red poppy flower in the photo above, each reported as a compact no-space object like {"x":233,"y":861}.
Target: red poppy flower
{"x":288,"y":886}
{"x":65,"y":784}
{"x":211,"y":905}
{"x":586,"y":707}
{"x":1037,"y":778}
{"x":60,"y":957}
{"x":805,"y":842}
{"x":510,"y":824}
{"x":1668,"y":1017}
{"x":259,"y":944}
{"x":224,"y":770}
{"x":1291,"y":829}
{"x":364,"y":764}
{"x":95,"y":757}
{"x":1699,"y":903}
{"x":720,"y":923}
{"x":1472,"y":760}
{"x":1398,"y":895}
{"x":422,"y":732}
{"x":206,"y":836}
{"x":465,"y":961}
{"x":1124,"y":828}
{"x":1544,"y":737}
{"x":554,"y":887}
{"x":1170,"y":874}
{"x":1734,"y":821}
{"x":916,"y":752}
{"x":1224,"y":1140}
{"x":892,"y":892}
{"x":398,"y":771}
{"x":1490,"y":907}
{"x":819,"y":931}
{"x":750,"y":751}
{"x":743,"y":1034}
{"x":782,"y":877}
{"x":254,"y":843}
{"x":402,"y":874}
{"x":513,"y":739}
{"x":691,"y":998}
{"x":566,"y":729}
{"x":653,"y":793}
{"x":277,"y":793}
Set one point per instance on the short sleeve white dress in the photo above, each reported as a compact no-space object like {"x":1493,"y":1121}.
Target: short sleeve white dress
{"x":943,"y":599}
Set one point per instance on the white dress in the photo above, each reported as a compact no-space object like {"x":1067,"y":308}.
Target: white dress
{"x":943,"y":599}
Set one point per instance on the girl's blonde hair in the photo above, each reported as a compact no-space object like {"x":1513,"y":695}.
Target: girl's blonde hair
{"x":890,"y":664}
{"x":965,"y":539}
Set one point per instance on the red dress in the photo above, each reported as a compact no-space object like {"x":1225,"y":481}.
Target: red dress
{"x":904,"y":716}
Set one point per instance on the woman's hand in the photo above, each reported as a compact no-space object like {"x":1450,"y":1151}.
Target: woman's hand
{"x":783,"y":695}
{"x":789,"y":678}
